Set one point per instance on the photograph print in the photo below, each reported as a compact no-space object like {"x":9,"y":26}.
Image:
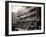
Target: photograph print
{"x":25,"y":18}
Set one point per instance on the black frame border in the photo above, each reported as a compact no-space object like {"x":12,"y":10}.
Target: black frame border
{"x":7,"y":16}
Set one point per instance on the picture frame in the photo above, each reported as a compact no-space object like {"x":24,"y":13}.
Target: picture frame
{"x":17,"y":9}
